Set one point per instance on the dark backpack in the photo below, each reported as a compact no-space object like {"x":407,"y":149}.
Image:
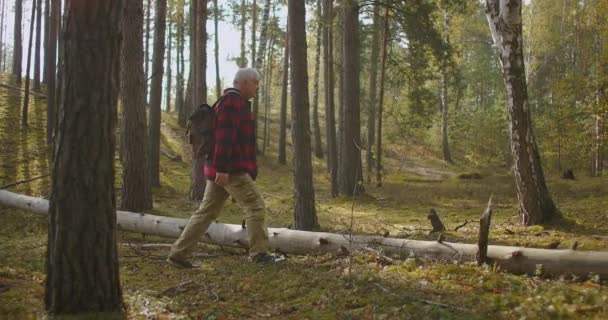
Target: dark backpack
{"x":200,"y":131}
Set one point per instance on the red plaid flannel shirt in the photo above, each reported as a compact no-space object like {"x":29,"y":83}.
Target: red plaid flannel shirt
{"x":234,"y":132}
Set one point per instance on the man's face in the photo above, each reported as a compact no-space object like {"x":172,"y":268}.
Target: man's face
{"x":249,"y":88}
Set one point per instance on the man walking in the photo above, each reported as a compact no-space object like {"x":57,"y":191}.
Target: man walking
{"x":231,"y":170}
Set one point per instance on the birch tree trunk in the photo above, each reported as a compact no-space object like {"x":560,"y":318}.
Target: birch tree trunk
{"x":511,"y":259}
{"x":305,"y":215}
{"x":536,"y":204}
{"x":82,"y":258}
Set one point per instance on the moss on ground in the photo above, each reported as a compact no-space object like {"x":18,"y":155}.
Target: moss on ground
{"x":227,"y":286}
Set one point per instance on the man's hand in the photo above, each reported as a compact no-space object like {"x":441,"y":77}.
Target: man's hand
{"x":221,"y":179}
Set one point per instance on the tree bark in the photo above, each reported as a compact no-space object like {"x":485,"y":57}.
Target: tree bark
{"x":169,"y":71}
{"x":315,"y":93}
{"x":179,"y":88}
{"x":82,"y":260}
{"x":536,"y":204}
{"x":156,"y":91}
{"x":26,"y":99}
{"x":136,"y":193}
{"x":445,"y":147}
{"x":305,"y":215}
{"x":381,"y":102}
{"x":218,"y":82}
{"x":351,"y":155}
{"x":37,"y":51}
{"x":147,"y":50}
{"x":2,"y":13}
{"x":47,"y":25}
{"x":511,"y":259}
{"x":17,"y":49}
{"x":243,"y":59}
{"x":328,"y":74}
{"x":373,"y":93}
{"x":51,"y":69}
{"x":283,"y":115}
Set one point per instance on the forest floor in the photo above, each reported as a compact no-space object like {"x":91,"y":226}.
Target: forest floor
{"x":228,"y":286}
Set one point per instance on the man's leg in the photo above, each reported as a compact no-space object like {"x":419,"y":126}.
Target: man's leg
{"x":209,"y":210}
{"x":242,"y":188}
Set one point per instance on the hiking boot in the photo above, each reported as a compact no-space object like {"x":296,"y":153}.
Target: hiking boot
{"x":265,"y":258}
{"x":180,"y":264}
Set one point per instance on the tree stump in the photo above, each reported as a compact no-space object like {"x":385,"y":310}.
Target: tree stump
{"x":484,"y":233}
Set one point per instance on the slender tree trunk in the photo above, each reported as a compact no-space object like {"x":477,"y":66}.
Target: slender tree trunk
{"x":305,"y":215}
{"x":254,"y":20}
{"x":259,"y":58}
{"x":156,"y":91}
{"x":47,"y":24}
{"x":536,"y":204}
{"x":147,"y":50}
{"x":17,"y":50}
{"x":283,"y":125}
{"x":315,"y":93}
{"x":268,"y":92}
{"x":351,"y":155}
{"x":26,"y":100}
{"x":328,"y":74}
{"x":37,"y":51}
{"x":381,"y":101}
{"x":373,"y":92}
{"x":82,"y":259}
{"x":169,"y":71}
{"x":2,"y":48}
{"x":51,"y":67}
{"x":136,"y":193}
{"x":243,"y":59}
{"x":445,"y":147}
{"x":179,"y":90}
{"x":218,"y":82}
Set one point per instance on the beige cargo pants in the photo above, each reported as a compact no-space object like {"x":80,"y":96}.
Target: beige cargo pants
{"x":243,"y":189}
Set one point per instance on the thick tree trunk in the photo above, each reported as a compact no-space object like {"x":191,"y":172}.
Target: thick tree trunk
{"x":37,"y":51}
{"x":26,"y":100}
{"x":351,"y":155}
{"x":136,"y":193}
{"x":315,"y":93}
{"x":82,"y":259}
{"x":373,"y":93}
{"x":51,"y":69}
{"x":536,"y":204}
{"x":445,"y":147}
{"x":283,"y":115}
{"x":328,"y":74}
{"x":305,"y":215}
{"x":17,"y":49}
{"x":156,"y":91}
{"x":218,"y":82}
{"x":169,"y":71}
{"x":512,"y":259}
{"x":381,"y":102}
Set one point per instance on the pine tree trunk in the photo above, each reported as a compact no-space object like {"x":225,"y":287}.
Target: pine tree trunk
{"x":268,"y":92}
{"x":315,"y":95}
{"x":218,"y":82}
{"x":381,"y":102}
{"x":37,"y":51}
{"x":17,"y":50}
{"x":136,"y":193}
{"x":445,"y":147}
{"x":156,"y":91}
{"x":179,"y":89}
{"x":283,"y":115}
{"x":254,"y":20}
{"x":26,"y":99}
{"x":351,"y":155}
{"x":169,"y":71}
{"x":82,"y":259}
{"x":2,"y":51}
{"x":147,"y":50}
{"x":305,"y":215}
{"x":373,"y":93}
{"x":259,"y":58}
{"x":47,"y":24}
{"x":51,"y":69}
{"x":536,"y":204}
{"x":243,"y":59}
{"x":328,"y":74}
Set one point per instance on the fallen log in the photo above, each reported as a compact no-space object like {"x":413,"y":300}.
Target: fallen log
{"x":512,"y":259}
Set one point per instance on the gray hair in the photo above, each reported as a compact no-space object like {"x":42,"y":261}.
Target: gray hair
{"x":245,"y":74}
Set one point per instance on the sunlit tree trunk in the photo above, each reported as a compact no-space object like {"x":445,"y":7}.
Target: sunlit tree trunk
{"x":305,"y":215}
{"x":328,"y":76}
{"x":136,"y":192}
{"x":82,"y":259}
{"x":536,"y":204}
{"x":156,"y":91}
